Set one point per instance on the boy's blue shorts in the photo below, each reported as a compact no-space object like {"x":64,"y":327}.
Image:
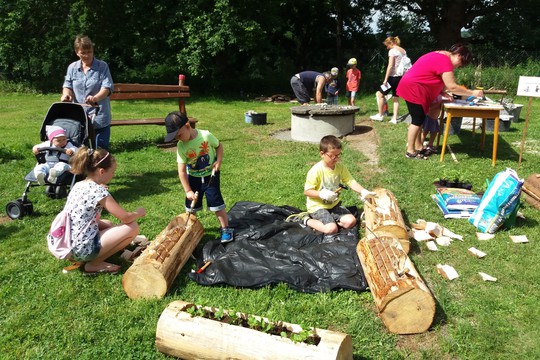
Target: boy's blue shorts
{"x":208,"y":189}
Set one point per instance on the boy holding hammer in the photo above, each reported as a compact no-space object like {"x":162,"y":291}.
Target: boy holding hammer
{"x":199,"y":155}
{"x":323,"y":182}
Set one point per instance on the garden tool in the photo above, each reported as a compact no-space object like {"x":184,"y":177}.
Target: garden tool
{"x":207,"y":264}
{"x":190,"y":210}
{"x":342,"y":187}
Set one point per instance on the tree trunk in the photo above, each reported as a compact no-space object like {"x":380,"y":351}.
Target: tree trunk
{"x":154,"y":271}
{"x":383,"y":217}
{"x":403,"y":300}
{"x":181,"y":335}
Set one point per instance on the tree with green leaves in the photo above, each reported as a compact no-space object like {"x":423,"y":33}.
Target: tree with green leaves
{"x":444,"y":19}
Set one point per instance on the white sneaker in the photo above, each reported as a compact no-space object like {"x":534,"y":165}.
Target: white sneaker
{"x":376,"y":117}
{"x":53,"y":176}
{"x":393,"y":121}
{"x":40,"y":178}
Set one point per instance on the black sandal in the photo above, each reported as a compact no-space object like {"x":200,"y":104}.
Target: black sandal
{"x":410,"y":156}
{"x":416,"y":155}
{"x":429,"y":150}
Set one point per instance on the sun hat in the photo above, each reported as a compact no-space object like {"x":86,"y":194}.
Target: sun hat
{"x":54,"y":131}
{"x":174,"y":122}
{"x":352,"y":61}
{"x":334,"y":71}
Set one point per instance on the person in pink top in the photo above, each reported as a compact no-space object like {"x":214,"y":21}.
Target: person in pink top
{"x":353,"y":81}
{"x":429,"y":77}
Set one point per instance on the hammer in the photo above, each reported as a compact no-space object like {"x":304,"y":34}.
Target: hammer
{"x":190,"y":210}
{"x":342,"y":187}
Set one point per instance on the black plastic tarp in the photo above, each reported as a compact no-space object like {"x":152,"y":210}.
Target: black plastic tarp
{"x":267,"y":249}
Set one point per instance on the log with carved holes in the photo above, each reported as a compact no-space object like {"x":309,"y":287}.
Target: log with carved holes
{"x":194,"y":337}
{"x":404,"y":302}
{"x":155,"y":269}
{"x":383,"y":216}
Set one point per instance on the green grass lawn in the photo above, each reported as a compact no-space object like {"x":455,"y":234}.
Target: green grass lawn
{"x":47,"y":314}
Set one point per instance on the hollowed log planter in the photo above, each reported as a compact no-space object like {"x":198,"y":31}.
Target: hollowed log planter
{"x":193,"y":337}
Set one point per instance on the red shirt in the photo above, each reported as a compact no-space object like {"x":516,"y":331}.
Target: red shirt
{"x":353,"y":79}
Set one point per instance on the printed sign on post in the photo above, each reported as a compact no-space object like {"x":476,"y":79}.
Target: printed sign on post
{"x":529,"y":86}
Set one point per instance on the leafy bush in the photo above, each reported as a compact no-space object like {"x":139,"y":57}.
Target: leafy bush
{"x":504,"y":77}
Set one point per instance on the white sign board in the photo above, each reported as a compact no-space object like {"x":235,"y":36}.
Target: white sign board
{"x":529,"y":86}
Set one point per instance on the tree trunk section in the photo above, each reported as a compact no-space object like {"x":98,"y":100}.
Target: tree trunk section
{"x":383,"y":217}
{"x":403,"y":300}
{"x":181,"y":335}
{"x":155,"y":269}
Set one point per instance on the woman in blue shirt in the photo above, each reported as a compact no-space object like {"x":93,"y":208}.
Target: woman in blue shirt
{"x":89,"y":81}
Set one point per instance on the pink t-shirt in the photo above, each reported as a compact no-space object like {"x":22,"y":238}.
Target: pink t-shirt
{"x":353,"y":79}
{"x":423,"y":82}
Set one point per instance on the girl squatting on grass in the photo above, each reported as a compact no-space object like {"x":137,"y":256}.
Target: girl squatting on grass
{"x":94,"y":239}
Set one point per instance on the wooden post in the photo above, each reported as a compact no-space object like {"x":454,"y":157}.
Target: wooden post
{"x":403,"y":300}
{"x":155,"y":269}
{"x":181,"y":101}
{"x":524,"y":132}
{"x":181,"y":335}
{"x":384,"y":217}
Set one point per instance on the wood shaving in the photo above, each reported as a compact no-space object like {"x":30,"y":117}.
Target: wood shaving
{"x":447,"y":271}
{"x":487,"y":277}
{"x":484,"y":236}
{"x":475,"y":252}
{"x":519,"y":239}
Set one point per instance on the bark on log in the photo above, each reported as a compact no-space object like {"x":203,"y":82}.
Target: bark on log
{"x":383,"y":217}
{"x":531,"y":188}
{"x":404,"y":302}
{"x":155,"y":269}
{"x":178,"y":334}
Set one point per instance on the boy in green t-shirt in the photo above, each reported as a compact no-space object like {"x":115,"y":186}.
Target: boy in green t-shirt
{"x":324,"y":210}
{"x":199,"y":155}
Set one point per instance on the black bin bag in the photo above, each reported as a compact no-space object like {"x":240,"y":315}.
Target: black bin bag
{"x":269,"y":250}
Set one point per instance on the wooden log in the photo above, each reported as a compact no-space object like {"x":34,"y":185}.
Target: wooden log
{"x":181,"y":335}
{"x":384,"y":217}
{"x":531,"y":188}
{"x":404,"y":302}
{"x":153,"y":272}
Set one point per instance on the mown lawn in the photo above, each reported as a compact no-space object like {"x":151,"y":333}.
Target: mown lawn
{"x":47,"y":314}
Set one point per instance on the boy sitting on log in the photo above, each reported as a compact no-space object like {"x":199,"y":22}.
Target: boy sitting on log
{"x":323,"y":184}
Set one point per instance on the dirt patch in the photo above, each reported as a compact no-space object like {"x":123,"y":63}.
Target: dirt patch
{"x":427,"y":342}
{"x":4,"y":219}
{"x":365,"y":139}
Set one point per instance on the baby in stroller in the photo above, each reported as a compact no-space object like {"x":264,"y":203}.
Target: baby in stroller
{"x":56,"y":161}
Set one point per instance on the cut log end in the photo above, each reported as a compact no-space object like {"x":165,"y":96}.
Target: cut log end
{"x":410,"y":313}
{"x":144,"y":281}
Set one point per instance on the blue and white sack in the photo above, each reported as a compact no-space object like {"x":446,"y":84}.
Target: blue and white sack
{"x":498,"y":202}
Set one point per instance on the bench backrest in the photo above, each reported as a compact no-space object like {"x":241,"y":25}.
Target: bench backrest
{"x":123,"y":91}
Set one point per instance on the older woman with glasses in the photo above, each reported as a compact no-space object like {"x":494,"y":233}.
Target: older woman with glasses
{"x":430,"y":76}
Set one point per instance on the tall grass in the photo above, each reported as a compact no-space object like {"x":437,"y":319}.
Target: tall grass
{"x":47,"y":314}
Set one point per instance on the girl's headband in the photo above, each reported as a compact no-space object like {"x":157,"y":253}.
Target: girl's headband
{"x":102,"y":159}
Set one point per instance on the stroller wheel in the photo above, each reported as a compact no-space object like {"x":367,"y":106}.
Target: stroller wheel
{"x":50,"y":191}
{"x":60,"y":192}
{"x":28,"y":207}
{"x":15,"y":209}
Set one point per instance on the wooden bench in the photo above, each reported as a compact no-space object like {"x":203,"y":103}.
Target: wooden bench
{"x":123,"y":91}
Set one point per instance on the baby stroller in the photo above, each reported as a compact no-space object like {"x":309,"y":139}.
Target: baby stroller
{"x":72,"y":118}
